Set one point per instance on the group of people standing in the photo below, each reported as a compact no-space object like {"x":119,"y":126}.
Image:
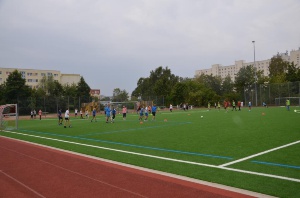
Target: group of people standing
{"x":145,"y":111}
{"x":227,"y":104}
{"x":33,"y":114}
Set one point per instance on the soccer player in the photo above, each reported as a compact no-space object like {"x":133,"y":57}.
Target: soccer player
{"x":40,"y":114}
{"x":239,"y":105}
{"x":60,"y":119}
{"x":264,"y":104}
{"x":288,"y":103}
{"x":219,"y":105}
{"x":31,"y":114}
{"x":94,"y":115}
{"x":153,"y":110}
{"x":171,"y":108}
{"x":233,"y":105}
{"x":208,"y":106}
{"x":81,"y":114}
{"x":67,"y":119}
{"x":249,"y":105}
{"x":124,"y":111}
{"x":107,"y":112}
{"x":87,"y":116}
{"x":225,"y":105}
{"x":114,"y":111}
{"x":141,"y":113}
{"x":34,"y":114}
{"x":76,"y":112}
{"x":146,"y":113}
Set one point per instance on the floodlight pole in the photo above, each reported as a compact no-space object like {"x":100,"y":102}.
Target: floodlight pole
{"x":255,"y":77}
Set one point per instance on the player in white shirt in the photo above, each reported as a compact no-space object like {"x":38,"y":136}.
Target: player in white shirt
{"x":67,"y":118}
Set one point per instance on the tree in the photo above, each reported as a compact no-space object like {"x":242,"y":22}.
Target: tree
{"x":245,"y":78}
{"x":227,"y":86}
{"x":15,"y":88}
{"x":57,"y":89}
{"x":159,"y":83}
{"x":213,"y":82}
{"x":292,"y":73}
{"x":70,"y":90}
{"x":163,"y":81}
{"x":143,"y":88}
{"x":277,"y":69}
{"x":119,"y":95}
{"x":83,"y":90}
{"x":106,"y":98}
{"x":2,"y":93}
{"x":179,"y":93}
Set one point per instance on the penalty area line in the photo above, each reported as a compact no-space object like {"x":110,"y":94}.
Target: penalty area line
{"x":258,"y":154}
{"x":163,"y":158}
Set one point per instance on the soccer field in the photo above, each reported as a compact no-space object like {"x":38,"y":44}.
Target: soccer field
{"x":256,"y":150}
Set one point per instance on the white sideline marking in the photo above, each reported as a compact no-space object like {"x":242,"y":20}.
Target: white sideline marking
{"x":261,"y":153}
{"x":164,"y":158}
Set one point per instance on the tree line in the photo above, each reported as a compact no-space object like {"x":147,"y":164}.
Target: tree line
{"x":161,"y":82}
{"x":207,"y":88}
{"x":14,"y":90}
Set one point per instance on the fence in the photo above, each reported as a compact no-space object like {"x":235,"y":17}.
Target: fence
{"x":50,"y":104}
{"x":273,"y":94}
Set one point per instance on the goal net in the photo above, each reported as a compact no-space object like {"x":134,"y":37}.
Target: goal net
{"x":8,"y":117}
{"x":294,"y":101}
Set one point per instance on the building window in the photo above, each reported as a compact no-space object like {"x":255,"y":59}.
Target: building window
{"x":49,"y":74}
{"x":0,"y":79}
{"x":0,"y":72}
{"x":29,"y":74}
{"x":55,"y":75}
{"x":29,"y":80}
{"x":43,"y":74}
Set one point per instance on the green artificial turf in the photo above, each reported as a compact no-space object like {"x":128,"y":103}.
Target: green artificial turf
{"x":218,"y":138}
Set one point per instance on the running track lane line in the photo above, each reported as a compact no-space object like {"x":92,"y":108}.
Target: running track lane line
{"x":22,"y":184}
{"x":168,"y":159}
{"x":258,"y":154}
{"x":73,"y":172}
{"x":193,"y":189}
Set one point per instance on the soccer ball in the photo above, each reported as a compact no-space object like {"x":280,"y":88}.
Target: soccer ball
{"x":201,"y":116}
{"x":295,"y":110}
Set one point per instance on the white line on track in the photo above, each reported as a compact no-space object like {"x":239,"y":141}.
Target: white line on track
{"x":35,"y":192}
{"x":76,"y":173}
{"x":167,"y":159}
{"x":261,"y":153}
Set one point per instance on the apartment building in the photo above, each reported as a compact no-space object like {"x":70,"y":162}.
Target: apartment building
{"x":95,"y":93}
{"x":33,"y":76}
{"x":232,"y":70}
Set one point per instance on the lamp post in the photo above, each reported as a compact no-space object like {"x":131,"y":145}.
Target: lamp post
{"x":255,"y":77}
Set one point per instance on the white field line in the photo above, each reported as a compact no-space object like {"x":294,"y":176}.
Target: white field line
{"x":261,"y":153}
{"x":164,"y":158}
{"x":22,"y":184}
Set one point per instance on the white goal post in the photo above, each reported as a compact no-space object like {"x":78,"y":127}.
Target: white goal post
{"x":9,"y":117}
{"x":295,"y":101}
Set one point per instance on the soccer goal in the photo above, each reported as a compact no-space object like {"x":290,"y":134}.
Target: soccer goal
{"x":294,"y":101}
{"x":9,"y":117}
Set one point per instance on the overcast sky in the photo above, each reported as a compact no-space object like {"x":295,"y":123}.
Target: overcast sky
{"x":112,"y":43}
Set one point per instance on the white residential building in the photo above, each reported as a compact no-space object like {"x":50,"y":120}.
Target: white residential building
{"x":34,"y":76}
{"x":232,"y":70}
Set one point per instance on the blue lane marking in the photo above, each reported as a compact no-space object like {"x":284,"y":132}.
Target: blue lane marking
{"x":134,"y":129}
{"x":275,"y":164}
{"x":131,"y":145}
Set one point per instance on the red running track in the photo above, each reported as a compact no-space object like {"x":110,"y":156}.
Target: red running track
{"x":29,"y":170}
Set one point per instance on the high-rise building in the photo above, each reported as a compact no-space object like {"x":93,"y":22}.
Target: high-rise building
{"x":232,"y":70}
